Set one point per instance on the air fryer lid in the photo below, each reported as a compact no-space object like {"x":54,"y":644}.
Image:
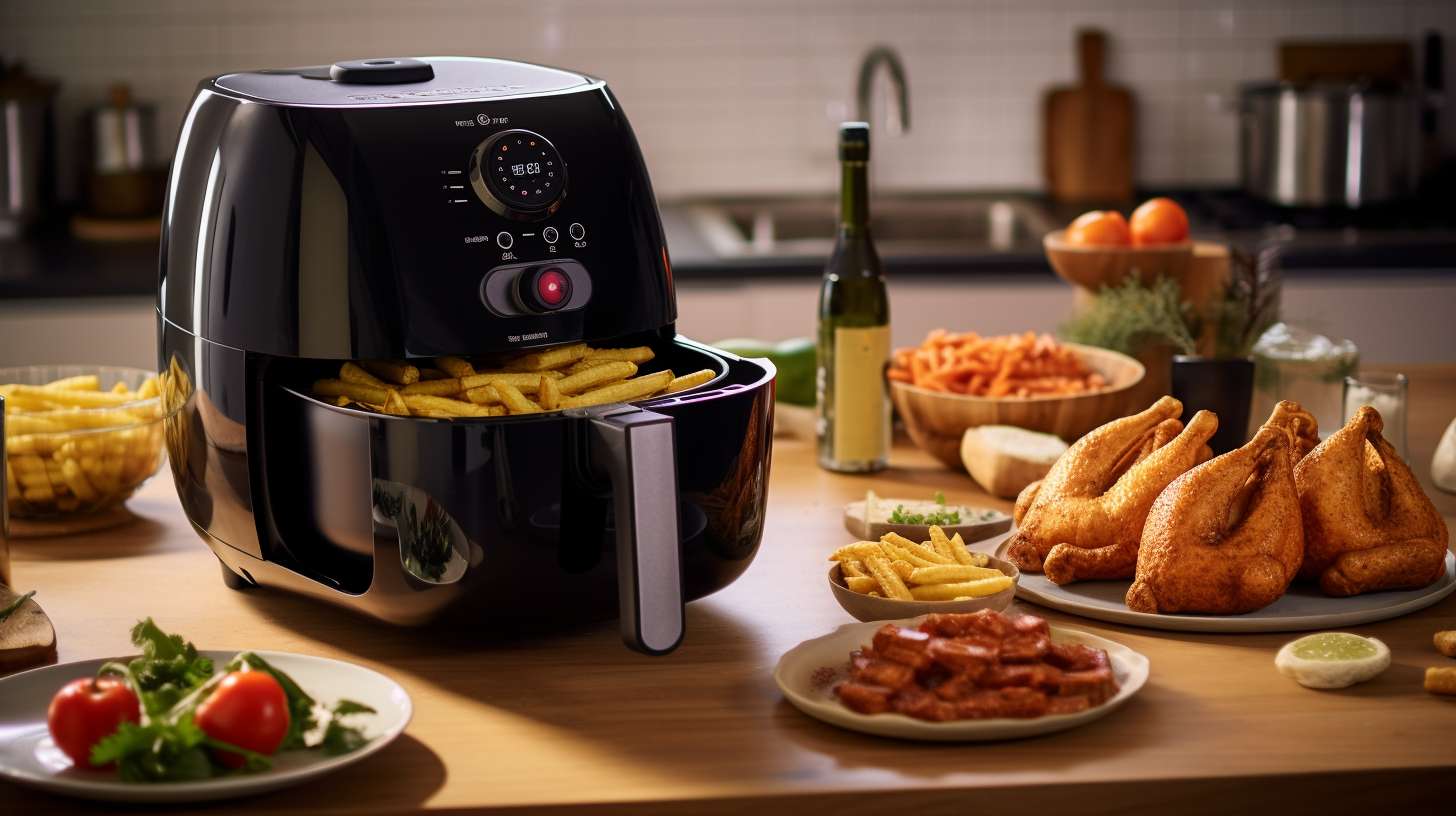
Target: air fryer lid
{"x":398,"y":80}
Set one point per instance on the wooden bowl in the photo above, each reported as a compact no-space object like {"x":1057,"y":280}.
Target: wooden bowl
{"x":936,"y":420}
{"x":868,"y":608}
{"x":1093,"y":267}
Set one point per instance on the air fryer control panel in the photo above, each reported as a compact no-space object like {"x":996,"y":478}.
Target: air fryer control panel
{"x":417,"y":229}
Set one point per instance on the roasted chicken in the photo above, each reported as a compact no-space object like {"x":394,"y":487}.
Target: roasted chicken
{"x":1224,"y":538}
{"x":1368,"y":525}
{"x":1083,"y":521}
{"x":1299,"y":425}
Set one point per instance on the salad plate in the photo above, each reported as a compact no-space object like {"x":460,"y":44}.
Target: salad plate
{"x":28,"y":755}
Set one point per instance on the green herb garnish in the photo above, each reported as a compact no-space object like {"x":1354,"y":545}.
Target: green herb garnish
{"x":939,"y":518}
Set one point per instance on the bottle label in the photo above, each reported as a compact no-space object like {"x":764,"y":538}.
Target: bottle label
{"x":861,"y":424}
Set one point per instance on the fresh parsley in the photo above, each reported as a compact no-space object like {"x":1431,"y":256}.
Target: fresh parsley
{"x":941,"y":517}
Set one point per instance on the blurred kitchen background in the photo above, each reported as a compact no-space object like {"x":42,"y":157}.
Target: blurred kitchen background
{"x":736,"y":104}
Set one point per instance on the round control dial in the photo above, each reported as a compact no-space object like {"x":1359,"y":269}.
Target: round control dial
{"x":518,"y":174}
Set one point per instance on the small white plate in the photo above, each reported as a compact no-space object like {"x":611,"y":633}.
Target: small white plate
{"x":29,"y":757}
{"x":807,"y":674}
{"x":1303,"y":608}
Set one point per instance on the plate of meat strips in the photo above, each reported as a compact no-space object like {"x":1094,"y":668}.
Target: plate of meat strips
{"x":960,"y":677}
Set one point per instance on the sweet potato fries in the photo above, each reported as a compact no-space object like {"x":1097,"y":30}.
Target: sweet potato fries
{"x":1013,"y":365}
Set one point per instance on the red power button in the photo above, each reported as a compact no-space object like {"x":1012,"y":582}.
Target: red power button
{"x":553,"y":287}
{"x":545,"y":290}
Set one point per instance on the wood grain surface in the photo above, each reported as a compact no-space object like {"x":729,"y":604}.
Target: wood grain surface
{"x":574,"y":722}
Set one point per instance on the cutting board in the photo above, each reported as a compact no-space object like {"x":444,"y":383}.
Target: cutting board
{"x":1087,"y":132}
{"x":27,"y":638}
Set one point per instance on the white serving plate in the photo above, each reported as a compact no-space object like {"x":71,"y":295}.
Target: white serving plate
{"x":807,"y":673}
{"x":1302,"y":609}
{"x":29,"y":757}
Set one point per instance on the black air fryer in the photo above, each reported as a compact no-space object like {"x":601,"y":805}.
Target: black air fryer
{"x":410,"y":208}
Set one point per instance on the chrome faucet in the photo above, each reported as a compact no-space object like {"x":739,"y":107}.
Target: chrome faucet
{"x":873,"y":59}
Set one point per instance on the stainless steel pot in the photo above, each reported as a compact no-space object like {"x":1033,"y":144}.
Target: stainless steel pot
{"x":1328,"y":145}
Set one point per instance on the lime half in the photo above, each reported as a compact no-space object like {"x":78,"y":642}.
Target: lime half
{"x":1331,"y":660}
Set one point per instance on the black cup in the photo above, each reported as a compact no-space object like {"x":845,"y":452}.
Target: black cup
{"x":1223,"y":386}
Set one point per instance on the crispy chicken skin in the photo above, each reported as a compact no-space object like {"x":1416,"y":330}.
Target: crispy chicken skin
{"x":1299,"y":425}
{"x":1084,"y":520}
{"x":1224,"y":538}
{"x":1368,"y":525}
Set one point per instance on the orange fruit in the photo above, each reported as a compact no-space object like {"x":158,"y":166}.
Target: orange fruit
{"x":1099,"y":228}
{"x":1159,"y":221}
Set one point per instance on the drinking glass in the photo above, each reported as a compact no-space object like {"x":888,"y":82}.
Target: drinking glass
{"x":1386,"y":393}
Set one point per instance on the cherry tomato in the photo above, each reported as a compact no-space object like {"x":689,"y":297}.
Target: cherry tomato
{"x":1099,"y":228}
{"x":88,"y":710}
{"x":247,"y":709}
{"x":1159,"y":221}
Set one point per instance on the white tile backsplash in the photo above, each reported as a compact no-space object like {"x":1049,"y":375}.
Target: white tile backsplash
{"x":763,"y":81}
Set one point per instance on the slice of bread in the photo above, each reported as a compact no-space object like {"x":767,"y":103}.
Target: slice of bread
{"x":1004,"y":459}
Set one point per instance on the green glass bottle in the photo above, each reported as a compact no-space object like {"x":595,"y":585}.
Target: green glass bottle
{"x":854,"y":327}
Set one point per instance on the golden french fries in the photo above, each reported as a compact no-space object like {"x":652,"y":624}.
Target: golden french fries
{"x":525,"y":381}
{"x":455,"y":367}
{"x":483,"y":395}
{"x":921,"y":551}
{"x":355,"y":373}
{"x":967,"y":589}
{"x":74,"y":444}
{"x":570,"y":376}
{"x":595,"y":376}
{"x":692,"y":380}
{"x":434,"y":388}
{"x":442,"y":407}
{"x":549,"y":394}
{"x":941,"y":569}
{"x":951,"y":573}
{"x":890,"y":582}
{"x":624,"y":391}
{"x":355,"y":391}
{"x":514,"y":400}
{"x":549,"y":358}
{"x":397,"y":373}
{"x":636,"y":354}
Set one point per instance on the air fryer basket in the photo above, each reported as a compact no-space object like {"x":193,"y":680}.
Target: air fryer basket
{"x":520,"y":517}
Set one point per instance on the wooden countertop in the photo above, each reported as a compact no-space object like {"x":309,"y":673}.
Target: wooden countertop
{"x":577,"y":720}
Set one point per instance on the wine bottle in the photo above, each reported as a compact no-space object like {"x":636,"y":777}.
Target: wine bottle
{"x":854,"y":327}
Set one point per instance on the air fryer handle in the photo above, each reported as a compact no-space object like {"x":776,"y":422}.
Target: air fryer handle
{"x":636,"y":449}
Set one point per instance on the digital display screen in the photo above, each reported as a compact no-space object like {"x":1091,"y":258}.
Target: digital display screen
{"x":521,"y":170}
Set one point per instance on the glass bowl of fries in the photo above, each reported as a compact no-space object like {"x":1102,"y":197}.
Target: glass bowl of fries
{"x":896,"y":578}
{"x":79,"y":438}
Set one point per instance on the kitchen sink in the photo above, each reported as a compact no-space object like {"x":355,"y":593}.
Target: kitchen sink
{"x":903,"y":225}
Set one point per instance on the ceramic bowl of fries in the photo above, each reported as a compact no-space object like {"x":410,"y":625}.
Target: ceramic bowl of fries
{"x":952,"y":382}
{"x":551,"y":379}
{"x":895,"y":577}
{"x":80,"y":438}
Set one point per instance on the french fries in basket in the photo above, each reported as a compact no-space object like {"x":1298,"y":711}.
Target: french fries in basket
{"x":569,"y":376}
{"x":72,"y":446}
{"x":941,"y":569}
